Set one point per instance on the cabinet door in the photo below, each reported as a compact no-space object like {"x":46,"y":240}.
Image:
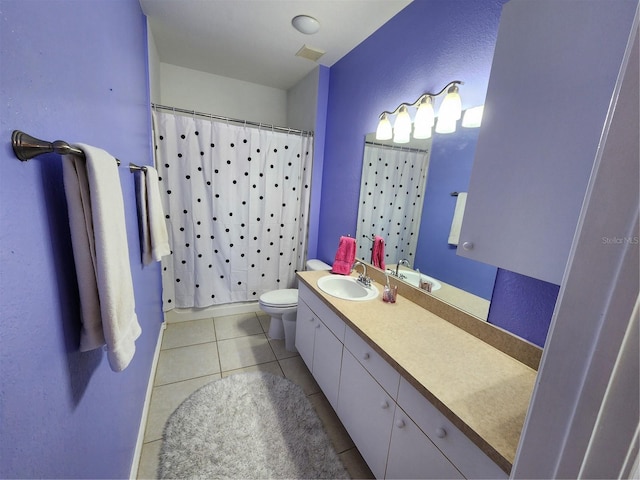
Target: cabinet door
{"x":413,"y":455}
{"x":366,"y":411}
{"x":327,"y":359}
{"x":553,"y":75}
{"x":305,"y":333}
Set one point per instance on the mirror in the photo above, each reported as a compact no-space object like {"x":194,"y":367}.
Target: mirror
{"x":408,"y":196}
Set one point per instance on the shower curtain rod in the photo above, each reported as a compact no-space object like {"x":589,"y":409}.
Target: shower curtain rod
{"x":234,"y":120}
{"x":396,"y":147}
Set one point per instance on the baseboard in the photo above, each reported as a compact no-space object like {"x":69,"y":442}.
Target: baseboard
{"x":188,"y":314}
{"x":133,"y":475}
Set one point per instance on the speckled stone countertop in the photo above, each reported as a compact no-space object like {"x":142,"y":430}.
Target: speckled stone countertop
{"x":480,"y":389}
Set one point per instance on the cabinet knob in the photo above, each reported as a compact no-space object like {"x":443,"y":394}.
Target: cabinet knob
{"x":441,"y":432}
{"x":318,"y":325}
{"x":365,"y":356}
{"x":467,"y":245}
{"x":400,"y":423}
{"x":384,"y":404}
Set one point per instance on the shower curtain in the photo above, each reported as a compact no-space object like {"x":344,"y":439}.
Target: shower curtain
{"x":236,"y":200}
{"x":391,"y":197}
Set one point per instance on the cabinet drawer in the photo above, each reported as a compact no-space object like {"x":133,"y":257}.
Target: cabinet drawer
{"x":317,"y":306}
{"x":377,"y":366}
{"x":462,"y":452}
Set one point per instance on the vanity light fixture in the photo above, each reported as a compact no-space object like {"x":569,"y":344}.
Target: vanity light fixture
{"x":450,"y":113}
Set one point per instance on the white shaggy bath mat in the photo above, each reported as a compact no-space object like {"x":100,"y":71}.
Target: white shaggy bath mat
{"x":250,"y":425}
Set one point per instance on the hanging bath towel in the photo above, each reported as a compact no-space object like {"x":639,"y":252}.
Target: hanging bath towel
{"x":345,"y":256}
{"x":154,"y":240}
{"x":377,"y":254}
{"x":101,"y":254}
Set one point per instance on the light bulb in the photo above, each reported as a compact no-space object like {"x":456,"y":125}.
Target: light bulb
{"x":445,"y":125}
{"x":402,"y":126}
{"x":424,"y":119}
{"x":384,"y":130}
{"x":451,"y":108}
{"x":473,"y":117}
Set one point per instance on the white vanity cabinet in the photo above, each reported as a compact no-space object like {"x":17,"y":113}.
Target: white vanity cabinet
{"x":397,"y":431}
{"x":319,"y":339}
{"x":366,"y":411}
{"x":413,"y":455}
{"x":552,"y":79}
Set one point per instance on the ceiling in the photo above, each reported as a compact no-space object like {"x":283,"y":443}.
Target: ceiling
{"x":254,"y":41}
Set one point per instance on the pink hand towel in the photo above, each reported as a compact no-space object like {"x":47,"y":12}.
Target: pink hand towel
{"x":377,"y":256}
{"x":345,"y":256}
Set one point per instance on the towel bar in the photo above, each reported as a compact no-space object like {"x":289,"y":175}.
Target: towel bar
{"x":133,"y":167}
{"x":26,"y":147}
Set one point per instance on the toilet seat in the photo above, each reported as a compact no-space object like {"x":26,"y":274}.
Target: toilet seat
{"x":285,"y":298}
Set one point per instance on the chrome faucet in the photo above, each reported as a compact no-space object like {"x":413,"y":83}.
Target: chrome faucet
{"x":362,"y":278}
{"x":404,"y":262}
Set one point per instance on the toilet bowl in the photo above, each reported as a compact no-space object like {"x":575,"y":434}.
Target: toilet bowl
{"x":282,"y":306}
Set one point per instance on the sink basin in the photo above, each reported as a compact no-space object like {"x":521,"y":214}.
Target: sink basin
{"x":346,"y":288}
{"x":412,"y":277}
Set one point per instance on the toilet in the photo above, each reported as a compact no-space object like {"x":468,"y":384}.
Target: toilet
{"x":282,"y":306}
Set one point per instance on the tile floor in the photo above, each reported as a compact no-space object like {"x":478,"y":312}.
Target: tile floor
{"x":197,"y":352}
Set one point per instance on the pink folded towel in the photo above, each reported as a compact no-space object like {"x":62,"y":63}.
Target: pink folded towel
{"x":345,"y":256}
{"x":377,"y":256}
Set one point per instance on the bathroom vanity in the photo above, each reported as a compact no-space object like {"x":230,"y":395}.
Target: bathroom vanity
{"x":420,"y":396}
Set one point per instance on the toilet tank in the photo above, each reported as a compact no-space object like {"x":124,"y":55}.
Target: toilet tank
{"x":315,"y":264}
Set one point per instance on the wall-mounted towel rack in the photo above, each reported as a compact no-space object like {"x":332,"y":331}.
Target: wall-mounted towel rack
{"x":133,"y":167}
{"x":26,"y":147}
{"x":454,"y":194}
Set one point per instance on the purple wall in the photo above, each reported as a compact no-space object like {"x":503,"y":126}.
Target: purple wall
{"x":421,"y":49}
{"x":71,"y":70}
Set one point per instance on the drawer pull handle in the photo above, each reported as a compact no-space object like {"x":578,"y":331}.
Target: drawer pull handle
{"x":400,"y":423}
{"x":365,"y":356}
{"x":384,"y":404}
{"x":441,"y":432}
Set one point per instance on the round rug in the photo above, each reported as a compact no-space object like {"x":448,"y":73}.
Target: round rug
{"x":250,"y":425}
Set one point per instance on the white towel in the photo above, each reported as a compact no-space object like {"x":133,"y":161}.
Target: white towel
{"x":154,"y":239}
{"x":454,"y":234}
{"x":101,"y":253}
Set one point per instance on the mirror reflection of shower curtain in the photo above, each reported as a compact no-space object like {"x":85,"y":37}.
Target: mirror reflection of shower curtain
{"x":391,"y":197}
{"x":236,"y":200}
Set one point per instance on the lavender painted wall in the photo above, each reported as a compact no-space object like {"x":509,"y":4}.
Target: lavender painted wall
{"x":73,"y":70}
{"x":422,"y":48}
{"x":523,"y":305}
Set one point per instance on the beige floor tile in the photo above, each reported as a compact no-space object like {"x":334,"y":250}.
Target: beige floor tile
{"x":183,"y":363}
{"x":182,"y":334}
{"x":244,"y":351}
{"x":271,"y":367}
{"x":265,"y":321}
{"x":337,"y":433}
{"x":279,"y":349}
{"x":149,"y":457}
{"x":233,"y":326}
{"x":165,"y":399}
{"x":295,"y":370}
{"x":355,"y":464}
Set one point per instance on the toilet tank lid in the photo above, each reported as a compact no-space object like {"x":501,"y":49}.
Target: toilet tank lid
{"x":315,"y":264}
{"x":287,"y":296}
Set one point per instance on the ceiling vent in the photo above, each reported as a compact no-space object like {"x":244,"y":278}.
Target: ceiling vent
{"x":309,"y":53}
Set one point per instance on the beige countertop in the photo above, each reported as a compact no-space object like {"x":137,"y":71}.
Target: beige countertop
{"x":482,"y":390}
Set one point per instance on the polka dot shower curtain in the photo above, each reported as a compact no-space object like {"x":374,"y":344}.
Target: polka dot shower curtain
{"x":236,"y":200}
{"x":391,"y":195}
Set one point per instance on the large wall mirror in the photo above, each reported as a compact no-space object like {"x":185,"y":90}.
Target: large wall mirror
{"x":408,"y":196}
